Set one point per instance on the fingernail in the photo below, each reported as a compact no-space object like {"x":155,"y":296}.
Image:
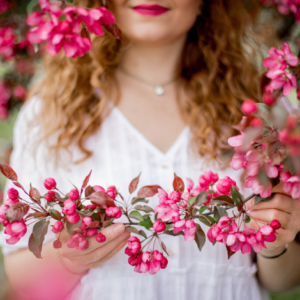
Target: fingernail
{"x":119,"y":228}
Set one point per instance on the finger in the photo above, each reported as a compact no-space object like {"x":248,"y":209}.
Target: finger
{"x":110,"y":232}
{"x":279,"y":201}
{"x":266,"y":216}
{"x":101,"y":251}
{"x":100,"y":262}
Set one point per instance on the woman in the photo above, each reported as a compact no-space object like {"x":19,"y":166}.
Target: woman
{"x":162,"y":102}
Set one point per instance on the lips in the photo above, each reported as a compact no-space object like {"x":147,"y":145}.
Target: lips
{"x":150,"y":10}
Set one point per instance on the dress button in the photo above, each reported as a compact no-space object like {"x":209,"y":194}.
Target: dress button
{"x":165,"y":164}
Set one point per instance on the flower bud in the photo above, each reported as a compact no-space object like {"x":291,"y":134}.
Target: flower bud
{"x":3,"y":209}
{"x":91,"y":232}
{"x":100,"y":238}
{"x":111,"y":191}
{"x":113,"y":211}
{"x":224,"y":185}
{"x":69,"y":207}
{"x":87,"y":221}
{"x":58,"y":227}
{"x":10,"y":202}
{"x":13,"y":194}
{"x":74,"y":218}
{"x":16,"y":230}
{"x":275,"y":224}
{"x":159,"y":226}
{"x":74,"y":194}
{"x":50,"y":183}
{"x":50,"y":196}
{"x":249,"y":107}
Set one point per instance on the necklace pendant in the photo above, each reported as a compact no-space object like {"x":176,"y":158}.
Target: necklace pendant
{"x":159,"y":90}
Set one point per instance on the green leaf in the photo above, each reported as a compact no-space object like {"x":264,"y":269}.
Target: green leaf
{"x":144,"y":208}
{"x":31,"y":6}
{"x":171,"y":232}
{"x":71,"y":227}
{"x":258,"y":199}
{"x":40,"y":230}
{"x":205,"y":220}
{"x":201,"y":198}
{"x":219,"y":212}
{"x":136,"y":215}
{"x":200,"y":237}
{"x":134,"y":230}
{"x":191,"y":201}
{"x":146,"y":223}
{"x":223,"y":200}
{"x":108,"y":222}
{"x":155,"y":217}
{"x":137,"y":200}
{"x":236,"y":196}
{"x":96,"y":217}
{"x":34,"y":247}
{"x":55,"y":214}
{"x":202,"y":210}
{"x":247,"y":219}
{"x":169,"y":226}
{"x":142,"y":232}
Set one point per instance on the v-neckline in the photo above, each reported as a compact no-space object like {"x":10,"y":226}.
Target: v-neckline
{"x":149,"y":144}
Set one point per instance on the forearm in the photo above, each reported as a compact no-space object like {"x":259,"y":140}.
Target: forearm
{"x":27,"y":274}
{"x":282,"y":273}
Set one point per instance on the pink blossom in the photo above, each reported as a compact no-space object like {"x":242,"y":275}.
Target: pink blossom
{"x":73,"y":218}
{"x":16,"y":230}
{"x":208,"y":178}
{"x":190,"y":230}
{"x":253,"y":183}
{"x":111,"y":191}
{"x":3,"y":209}
{"x":20,"y":92}
{"x":50,"y":183}
{"x":87,"y":221}
{"x":224,"y":185}
{"x":159,"y":226}
{"x":291,"y":184}
{"x":91,"y":232}
{"x":78,"y":241}
{"x":113,"y":211}
{"x":167,"y":212}
{"x":50,"y":196}
{"x":91,"y":206}
{"x":227,"y":225}
{"x":100,"y":238}
{"x":13,"y":194}
{"x":98,"y":188}
{"x":165,"y":198}
{"x":238,"y":161}
{"x":7,"y":42}
{"x":74,"y":194}
{"x":58,"y":227}
{"x":282,"y":79}
{"x":249,"y":107}
{"x":69,"y":207}
{"x":134,"y":246}
{"x":213,"y":232}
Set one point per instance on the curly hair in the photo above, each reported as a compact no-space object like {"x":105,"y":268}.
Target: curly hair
{"x":218,"y":67}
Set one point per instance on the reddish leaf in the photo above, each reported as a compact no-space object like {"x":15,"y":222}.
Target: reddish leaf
{"x":16,"y":212}
{"x":164,"y":248}
{"x":148,"y":191}
{"x":229,"y":252}
{"x":200,"y":237}
{"x":85,"y":33}
{"x":34,"y":194}
{"x":37,"y":215}
{"x":18,"y":184}
{"x":88,"y":191}
{"x":8,"y":172}
{"x":34,"y":247}
{"x":101,"y":199}
{"x":85,"y":182}
{"x":94,"y":224}
{"x":55,"y":214}
{"x":133,"y":184}
{"x":108,"y":222}
{"x":57,"y":244}
{"x":178,"y":184}
{"x":40,"y":230}
{"x":114,"y":30}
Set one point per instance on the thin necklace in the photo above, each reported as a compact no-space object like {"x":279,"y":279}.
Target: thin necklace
{"x":158,"y":87}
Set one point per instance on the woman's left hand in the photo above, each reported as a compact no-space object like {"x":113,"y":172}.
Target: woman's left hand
{"x":283,"y":208}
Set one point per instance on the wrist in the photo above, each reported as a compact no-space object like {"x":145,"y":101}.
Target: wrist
{"x":70,"y":267}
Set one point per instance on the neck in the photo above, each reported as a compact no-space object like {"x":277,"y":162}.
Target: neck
{"x":153,"y":63}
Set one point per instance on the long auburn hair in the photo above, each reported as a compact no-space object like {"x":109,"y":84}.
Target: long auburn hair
{"x":218,"y":67}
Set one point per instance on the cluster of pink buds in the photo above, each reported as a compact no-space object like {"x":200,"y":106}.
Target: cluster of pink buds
{"x":67,"y":28}
{"x":16,"y":229}
{"x":286,"y":7}
{"x":144,"y":262}
{"x":281,"y":77}
{"x":7,"y":42}
{"x":226,"y":231}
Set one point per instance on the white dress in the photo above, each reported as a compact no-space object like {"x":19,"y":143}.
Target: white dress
{"x":121,"y":152}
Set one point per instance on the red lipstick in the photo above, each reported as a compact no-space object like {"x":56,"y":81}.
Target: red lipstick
{"x":150,"y":10}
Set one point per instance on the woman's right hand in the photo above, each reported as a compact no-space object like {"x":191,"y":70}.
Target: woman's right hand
{"x":80,"y":261}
